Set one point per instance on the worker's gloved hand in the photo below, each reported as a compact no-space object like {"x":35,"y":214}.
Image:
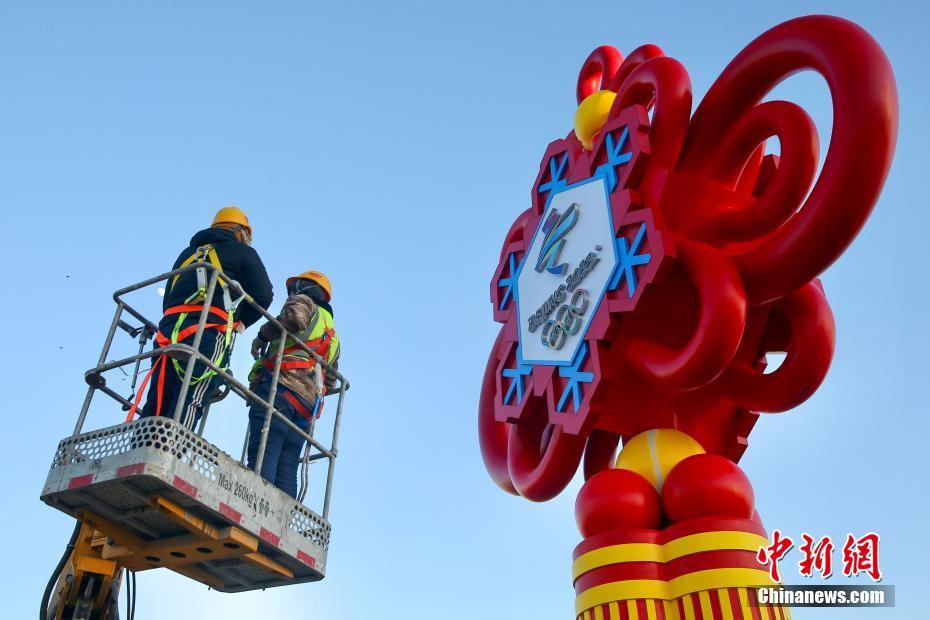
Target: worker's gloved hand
{"x":258,"y":348}
{"x":329,"y":378}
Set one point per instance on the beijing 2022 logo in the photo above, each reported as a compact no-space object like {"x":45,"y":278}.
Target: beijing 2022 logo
{"x":573,"y":250}
{"x":568,"y":318}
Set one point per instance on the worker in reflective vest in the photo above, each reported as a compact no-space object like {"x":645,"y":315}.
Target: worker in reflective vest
{"x":302,"y":383}
{"x":226,"y":245}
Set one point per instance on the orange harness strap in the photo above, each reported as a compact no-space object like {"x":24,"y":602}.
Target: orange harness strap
{"x":319,"y":345}
{"x":196,"y":308}
{"x":299,"y":406}
{"x":161,"y":340}
{"x":295,"y":403}
{"x":162,"y":361}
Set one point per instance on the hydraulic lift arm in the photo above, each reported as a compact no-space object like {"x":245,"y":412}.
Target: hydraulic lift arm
{"x":86,"y":584}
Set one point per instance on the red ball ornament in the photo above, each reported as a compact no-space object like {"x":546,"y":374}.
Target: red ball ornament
{"x":707,"y":485}
{"x":617,"y":499}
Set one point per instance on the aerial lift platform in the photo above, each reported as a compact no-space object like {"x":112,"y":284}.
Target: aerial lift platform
{"x":151,"y":493}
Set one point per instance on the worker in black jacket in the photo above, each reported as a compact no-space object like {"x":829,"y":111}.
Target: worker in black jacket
{"x":227,"y":246}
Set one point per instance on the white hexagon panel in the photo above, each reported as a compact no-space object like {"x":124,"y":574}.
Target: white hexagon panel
{"x":564,"y":275}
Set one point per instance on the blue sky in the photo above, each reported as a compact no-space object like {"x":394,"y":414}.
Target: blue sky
{"x":390,"y":145}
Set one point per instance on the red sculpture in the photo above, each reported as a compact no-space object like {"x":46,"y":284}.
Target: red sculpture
{"x":717,"y":249}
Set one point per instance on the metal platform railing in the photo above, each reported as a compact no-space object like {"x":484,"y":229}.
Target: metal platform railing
{"x":315,"y":450}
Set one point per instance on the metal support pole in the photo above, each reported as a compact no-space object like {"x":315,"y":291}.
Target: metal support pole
{"x":334,"y":448}
{"x":245,"y":444}
{"x":112,"y":332}
{"x":263,"y":443}
{"x":198,"y":336}
{"x":203,"y":422}
{"x":116,"y":396}
{"x":103,"y":356}
{"x":144,"y":336}
{"x":83,"y":415}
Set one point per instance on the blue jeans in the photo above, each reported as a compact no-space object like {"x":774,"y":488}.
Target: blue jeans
{"x":282,"y":452}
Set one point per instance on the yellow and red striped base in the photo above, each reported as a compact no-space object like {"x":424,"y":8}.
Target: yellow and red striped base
{"x":697,"y":570}
{"x":720,"y":604}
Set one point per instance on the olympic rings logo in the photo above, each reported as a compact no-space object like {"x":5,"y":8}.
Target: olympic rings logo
{"x":567,"y":322}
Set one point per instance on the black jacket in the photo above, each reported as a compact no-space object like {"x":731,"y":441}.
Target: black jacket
{"x":239,"y":262}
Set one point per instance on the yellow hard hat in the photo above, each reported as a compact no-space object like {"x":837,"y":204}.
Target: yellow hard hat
{"x":232,"y":215}
{"x":315,"y":276}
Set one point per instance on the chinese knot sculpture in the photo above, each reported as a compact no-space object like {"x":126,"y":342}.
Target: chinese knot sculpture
{"x":663,"y":256}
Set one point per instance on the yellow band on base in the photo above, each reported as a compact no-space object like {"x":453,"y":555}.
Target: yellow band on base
{"x":649,"y":552}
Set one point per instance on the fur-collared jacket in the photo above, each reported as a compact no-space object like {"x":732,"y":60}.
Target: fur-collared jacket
{"x":295,"y":316}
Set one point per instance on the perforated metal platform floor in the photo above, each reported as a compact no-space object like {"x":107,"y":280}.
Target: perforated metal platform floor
{"x":144,"y":483}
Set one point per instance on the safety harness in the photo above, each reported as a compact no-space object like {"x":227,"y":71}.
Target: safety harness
{"x":320,"y":337}
{"x":193,"y":304}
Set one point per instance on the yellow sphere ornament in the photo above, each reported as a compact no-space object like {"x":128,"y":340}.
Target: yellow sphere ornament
{"x":653,"y":454}
{"x":592,"y":114}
